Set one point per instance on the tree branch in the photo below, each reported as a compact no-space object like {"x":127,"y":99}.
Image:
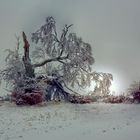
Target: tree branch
{"x":62,"y":62}
{"x":70,"y":89}
{"x":50,"y":60}
{"x":63,"y":36}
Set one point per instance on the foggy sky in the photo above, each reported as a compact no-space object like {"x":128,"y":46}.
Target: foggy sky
{"x":112,"y":27}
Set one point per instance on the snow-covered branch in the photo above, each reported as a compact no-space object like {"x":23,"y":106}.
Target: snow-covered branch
{"x":50,"y":60}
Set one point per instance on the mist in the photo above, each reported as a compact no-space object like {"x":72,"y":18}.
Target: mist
{"x":111,"y":27}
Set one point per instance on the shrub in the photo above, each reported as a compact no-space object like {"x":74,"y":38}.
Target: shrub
{"x":118,"y":99}
{"x":136,"y":96}
{"x":32,"y":98}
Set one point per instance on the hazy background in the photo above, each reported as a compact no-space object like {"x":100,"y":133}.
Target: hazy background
{"x":112,"y":27}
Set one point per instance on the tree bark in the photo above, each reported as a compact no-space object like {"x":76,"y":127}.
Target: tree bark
{"x":26,"y":58}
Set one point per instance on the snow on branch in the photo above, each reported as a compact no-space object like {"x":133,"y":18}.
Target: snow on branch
{"x":73,"y":55}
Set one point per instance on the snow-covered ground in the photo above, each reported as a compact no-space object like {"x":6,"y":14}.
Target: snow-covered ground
{"x":70,"y":122}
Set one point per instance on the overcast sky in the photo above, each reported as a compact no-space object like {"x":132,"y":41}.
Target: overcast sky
{"x":112,"y":27}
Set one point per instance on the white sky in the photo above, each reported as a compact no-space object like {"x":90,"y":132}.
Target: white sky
{"x":112,"y":27}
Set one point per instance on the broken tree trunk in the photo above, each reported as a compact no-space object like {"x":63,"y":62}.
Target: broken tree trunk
{"x":26,"y":58}
{"x":55,"y":91}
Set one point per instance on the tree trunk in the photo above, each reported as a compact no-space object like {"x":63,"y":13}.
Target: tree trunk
{"x":26,"y":58}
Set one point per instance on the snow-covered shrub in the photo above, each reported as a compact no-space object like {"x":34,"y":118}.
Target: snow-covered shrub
{"x":14,"y":73}
{"x":20,"y":85}
{"x":134,"y":91}
{"x":136,"y":96}
{"x":118,"y":99}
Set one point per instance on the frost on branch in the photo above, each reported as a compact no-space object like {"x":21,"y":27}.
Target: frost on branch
{"x":102,"y":83}
{"x":63,"y":60}
{"x":14,"y":72}
{"x":73,"y":55}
